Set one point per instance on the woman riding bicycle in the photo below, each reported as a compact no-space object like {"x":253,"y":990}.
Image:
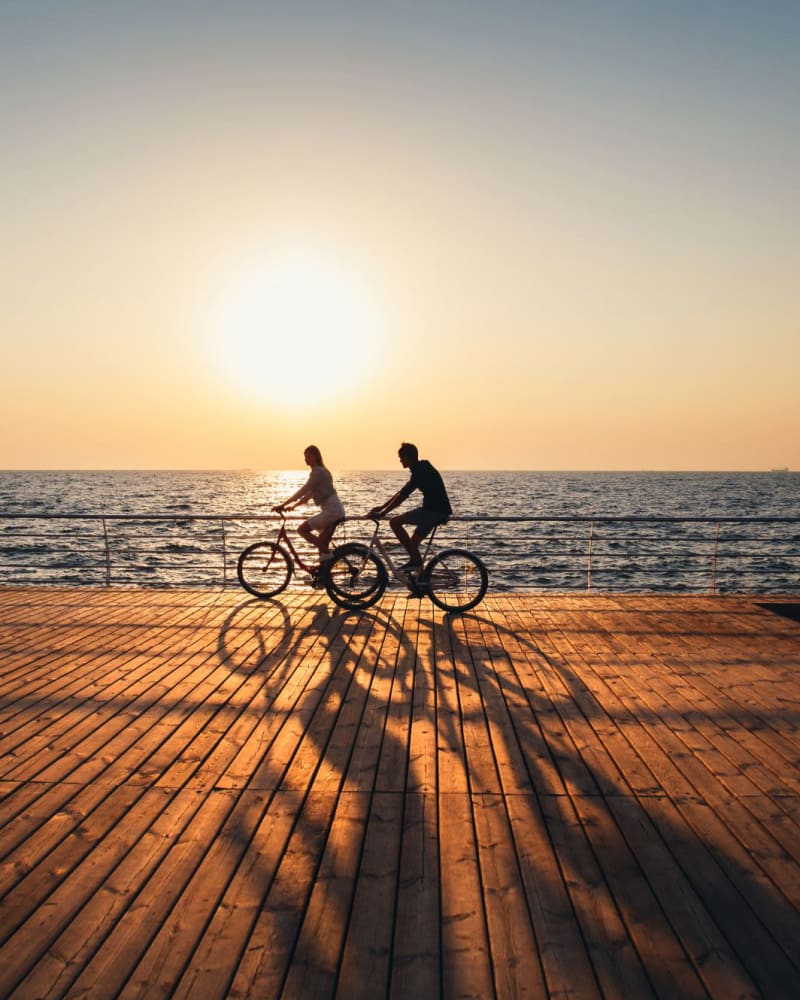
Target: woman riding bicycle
{"x":319,"y":488}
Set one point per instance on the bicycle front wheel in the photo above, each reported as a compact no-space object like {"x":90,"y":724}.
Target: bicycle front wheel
{"x":457,"y":580}
{"x":264,"y":569}
{"x":355,"y":578}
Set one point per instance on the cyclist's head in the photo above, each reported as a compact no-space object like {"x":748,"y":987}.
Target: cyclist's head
{"x":408,"y":453}
{"x":313,"y":455}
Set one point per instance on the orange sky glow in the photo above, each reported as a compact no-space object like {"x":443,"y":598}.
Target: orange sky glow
{"x":523,"y":236}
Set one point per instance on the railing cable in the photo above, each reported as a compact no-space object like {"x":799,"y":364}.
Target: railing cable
{"x":619,"y":551}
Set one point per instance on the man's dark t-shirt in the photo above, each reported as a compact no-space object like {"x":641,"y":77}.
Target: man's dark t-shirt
{"x":427,"y":480}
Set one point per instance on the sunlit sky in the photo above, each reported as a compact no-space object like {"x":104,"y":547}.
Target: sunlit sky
{"x":523,"y":235}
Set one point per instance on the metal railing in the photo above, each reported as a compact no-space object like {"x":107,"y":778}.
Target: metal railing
{"x":524,"y":553}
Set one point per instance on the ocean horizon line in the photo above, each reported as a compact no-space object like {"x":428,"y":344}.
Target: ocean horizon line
{"x":264,"y":471}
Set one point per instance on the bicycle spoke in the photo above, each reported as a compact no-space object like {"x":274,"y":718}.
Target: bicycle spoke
{"x":264,"y":569}
{"x":457,"y":580}
{"x":355,"y":577}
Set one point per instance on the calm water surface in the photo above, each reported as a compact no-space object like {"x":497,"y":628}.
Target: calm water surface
{"x":530,"y":555}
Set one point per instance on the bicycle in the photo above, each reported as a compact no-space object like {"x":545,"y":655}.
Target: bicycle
{"x":265,"y":568}
{"x":454,"y":579}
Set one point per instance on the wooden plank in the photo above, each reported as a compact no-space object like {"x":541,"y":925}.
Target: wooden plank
{"x":360,"y":660}
{"x":481,"y":765}
{"x":422,"y":737}
{"x":365,"y":965}
{"x":384,"y":648}
{"x":140,"y":746}
{"x":33,"y":835}
{"x":642,"y":736}
{"x":314,"y":963}
{"x":729,"y":681}
{"x":733,"y":770}
{"x":653,"y":685}
{"x":451,"y":756}
{"x":527,"y":971}
{"x":503,"y":729}
{"x":366,"y":957}
{"x":416,"y":956}
{"x":392,"y":768}
{"x":466,"y":953}
{"x":561,"y":947}
{"x":702,"y":723}
{"x":515,"y":959}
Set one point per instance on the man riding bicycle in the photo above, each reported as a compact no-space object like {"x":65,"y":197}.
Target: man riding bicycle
{"x":435,"y":507}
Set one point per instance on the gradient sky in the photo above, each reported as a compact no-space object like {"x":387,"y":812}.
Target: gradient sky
{"x":523,"y":235}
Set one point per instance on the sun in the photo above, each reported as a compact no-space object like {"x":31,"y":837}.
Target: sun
{"x":296,"y":330}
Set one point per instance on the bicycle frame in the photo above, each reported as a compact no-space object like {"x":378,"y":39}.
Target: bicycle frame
{"x":356,"y":578}
{"x":376,"y":544}
{"x":284,"y":538}
{"x":265,"y":568}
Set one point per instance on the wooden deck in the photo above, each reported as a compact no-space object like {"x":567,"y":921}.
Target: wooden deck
{"x":204,"y":795}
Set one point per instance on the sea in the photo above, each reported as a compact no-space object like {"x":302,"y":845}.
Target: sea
{"x":536,"y":531}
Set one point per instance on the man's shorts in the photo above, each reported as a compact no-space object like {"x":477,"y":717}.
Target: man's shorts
{"x":424,"y":520}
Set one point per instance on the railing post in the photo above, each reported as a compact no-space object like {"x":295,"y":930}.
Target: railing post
{"x":224,"y":557}
{"x":589,"y":560}
{"x":714,"y":559}
{"x":108,"y":553}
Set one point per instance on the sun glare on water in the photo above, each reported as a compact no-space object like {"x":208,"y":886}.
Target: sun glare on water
{"x":296,"y":331}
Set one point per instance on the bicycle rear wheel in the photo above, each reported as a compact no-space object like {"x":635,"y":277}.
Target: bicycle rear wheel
{"x":456,"y":579}
{"x":355,"y":578}
{"x":264,"y":569}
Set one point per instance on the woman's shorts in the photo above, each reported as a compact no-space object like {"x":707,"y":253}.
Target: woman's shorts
{"x":332,"y":511}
